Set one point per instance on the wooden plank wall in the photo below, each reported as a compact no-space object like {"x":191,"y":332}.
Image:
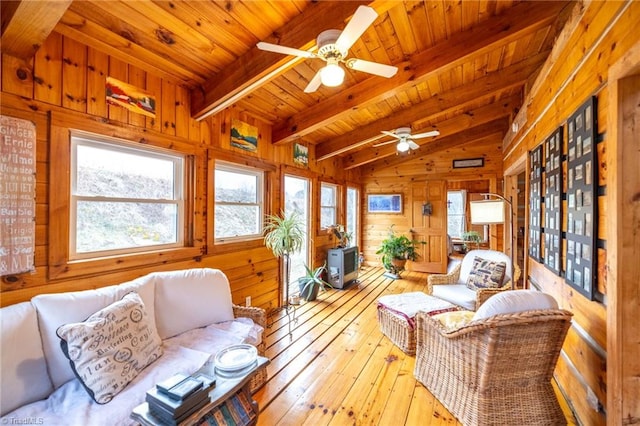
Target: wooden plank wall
{"x":67,"y":79}
{"x":598,"y":34}
{"x":436,"y":166}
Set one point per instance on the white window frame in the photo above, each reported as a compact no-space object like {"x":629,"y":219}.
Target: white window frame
{"x":353,"y":227}
{"x":260,"y":197}
{"x":463,"y":214}
{"x":333,"y":206}
{"x":82,"y":139}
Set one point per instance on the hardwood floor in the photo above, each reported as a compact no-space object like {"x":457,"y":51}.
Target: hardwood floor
{"x":336,"y":368}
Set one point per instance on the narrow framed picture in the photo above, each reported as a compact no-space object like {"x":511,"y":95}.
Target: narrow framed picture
{"x":468,"y":162}
{"x":384,"y":203}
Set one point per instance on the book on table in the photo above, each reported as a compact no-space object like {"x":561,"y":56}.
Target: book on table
{"x":178,"y":397}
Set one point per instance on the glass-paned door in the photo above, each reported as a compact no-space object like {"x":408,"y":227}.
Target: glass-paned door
{"x":297,"y":198}
{"x":353,"y":198}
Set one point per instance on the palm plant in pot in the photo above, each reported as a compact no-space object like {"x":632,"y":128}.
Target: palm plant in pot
{"x":396,"y":250}
{"x":284,"y":235}
{"x":313,"y":282}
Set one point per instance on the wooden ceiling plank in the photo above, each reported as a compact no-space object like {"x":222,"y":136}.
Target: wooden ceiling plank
{"x":27,"y":24}
{"x":143,"y":24}
{"x":418,"y":17}
{"x":484,"y":134}
{"x":489,"y":129}
{"x":503,"y":29}
{"x":91,"y":34}
{"x":485,"y":87}
{"x":403,"y":30}
{"x":256,"y":67}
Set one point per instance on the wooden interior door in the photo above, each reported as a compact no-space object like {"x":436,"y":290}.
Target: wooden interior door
{"x":430,"y":228}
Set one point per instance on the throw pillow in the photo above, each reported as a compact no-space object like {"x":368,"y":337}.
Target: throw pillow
{"x":486,"y":274}
{"x":111,"y":347}
{"x":454,"y":320}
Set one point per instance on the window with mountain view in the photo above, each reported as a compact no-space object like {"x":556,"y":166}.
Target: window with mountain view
{"x":123,"y":199}
{"x":238,"y":202}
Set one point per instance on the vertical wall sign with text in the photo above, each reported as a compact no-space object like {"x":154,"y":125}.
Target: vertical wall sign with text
{"x":582,"y":200}
{"x":535,"y":201}
{"x":17,"y":195}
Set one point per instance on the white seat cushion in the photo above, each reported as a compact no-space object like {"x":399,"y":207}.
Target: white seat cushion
{"x":24,"y":370}
{"x":190,"y":299}
{"x":458,"y":294}
{"x":513,"y":301}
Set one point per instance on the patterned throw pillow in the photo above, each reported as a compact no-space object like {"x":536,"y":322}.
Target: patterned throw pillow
{"x":486,"y":274}
{"x":111,"y":347}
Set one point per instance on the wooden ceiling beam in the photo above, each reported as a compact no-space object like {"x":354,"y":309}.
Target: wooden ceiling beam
{"x":523,"y":18}
{"x":453,"y":126}
{"x":487,"y":133}
{"x":27,"y":24}
{"x":256,"y":67}
{"x":488,"y":86}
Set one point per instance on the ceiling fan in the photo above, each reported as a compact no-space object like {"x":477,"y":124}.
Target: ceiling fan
{"x":405,"y":138}
{"x":333,"y":48}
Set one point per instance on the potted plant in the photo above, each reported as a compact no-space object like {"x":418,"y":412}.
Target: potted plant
{"x":312,"y":283}
{"x":396,"y":250}
{"x":472,"y":239}
{"x":284,"y":235}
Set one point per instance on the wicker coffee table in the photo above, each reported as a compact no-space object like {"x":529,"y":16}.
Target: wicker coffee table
{"x":396,"y":316}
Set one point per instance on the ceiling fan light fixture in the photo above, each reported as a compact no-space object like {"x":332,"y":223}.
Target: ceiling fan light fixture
{"x":403,"y":146}
{"x":332,"y":74}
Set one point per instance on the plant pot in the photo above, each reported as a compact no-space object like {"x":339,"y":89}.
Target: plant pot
{"x":399,"y":264}
{"x":308,"y":292}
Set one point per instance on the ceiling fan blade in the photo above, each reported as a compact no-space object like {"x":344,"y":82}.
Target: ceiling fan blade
{"x":425,"y":134}
{"x":270,"y":47}
{"x":358,"y":24}
{"x":413,"y":145}
{"x":314,"y":83}
{"x":385,"y":132}
{"x":384,"y":143}
{"x":375,"y":68}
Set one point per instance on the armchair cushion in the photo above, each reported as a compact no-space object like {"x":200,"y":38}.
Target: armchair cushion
{"x":455,"y":319}
{"x":511,"y":302}
{"x":486,"y":273}
{"x":458,"y":294}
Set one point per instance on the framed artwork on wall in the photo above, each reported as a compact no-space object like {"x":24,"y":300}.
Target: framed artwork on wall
{"x":384,"y":203}
{"x":553,"y":147}
{"x":581,"y":254}
{"x":535,"y":203}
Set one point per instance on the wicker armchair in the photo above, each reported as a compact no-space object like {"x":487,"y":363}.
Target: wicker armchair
{"x":495,"y":370}
{"x":457,"y":292}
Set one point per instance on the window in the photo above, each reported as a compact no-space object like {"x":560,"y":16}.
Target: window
{"x":456,"y":201}
{"x":328,"y":205}
{"x":238,"y":202}
{"x":352,"y":214}
{"x":123,"y":199}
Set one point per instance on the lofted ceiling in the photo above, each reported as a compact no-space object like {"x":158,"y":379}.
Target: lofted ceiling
{"x":463,"y":66}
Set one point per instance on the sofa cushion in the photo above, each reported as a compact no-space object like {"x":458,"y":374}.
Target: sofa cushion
{"x":458,"y":294}
{"x":71,"y":405}
{"x":24,"y":370}
{"x":111,"y":347}
{"x":513,"y":301}
{"x":190,"y":299}
{"x":55,"y":310}
{"x":486,"y":273}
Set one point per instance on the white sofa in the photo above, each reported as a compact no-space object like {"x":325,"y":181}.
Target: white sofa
{"x":191,"y":310}
{"x":453,"y":288}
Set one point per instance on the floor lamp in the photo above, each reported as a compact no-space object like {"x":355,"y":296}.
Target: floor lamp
{"x":491,"y":212}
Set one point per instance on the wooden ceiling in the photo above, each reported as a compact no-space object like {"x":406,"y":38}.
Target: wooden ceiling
{"x":463,"y":65}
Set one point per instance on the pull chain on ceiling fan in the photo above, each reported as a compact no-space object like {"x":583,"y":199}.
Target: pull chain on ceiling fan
{"x":333,"y":48}
{"x":405,"y":138}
